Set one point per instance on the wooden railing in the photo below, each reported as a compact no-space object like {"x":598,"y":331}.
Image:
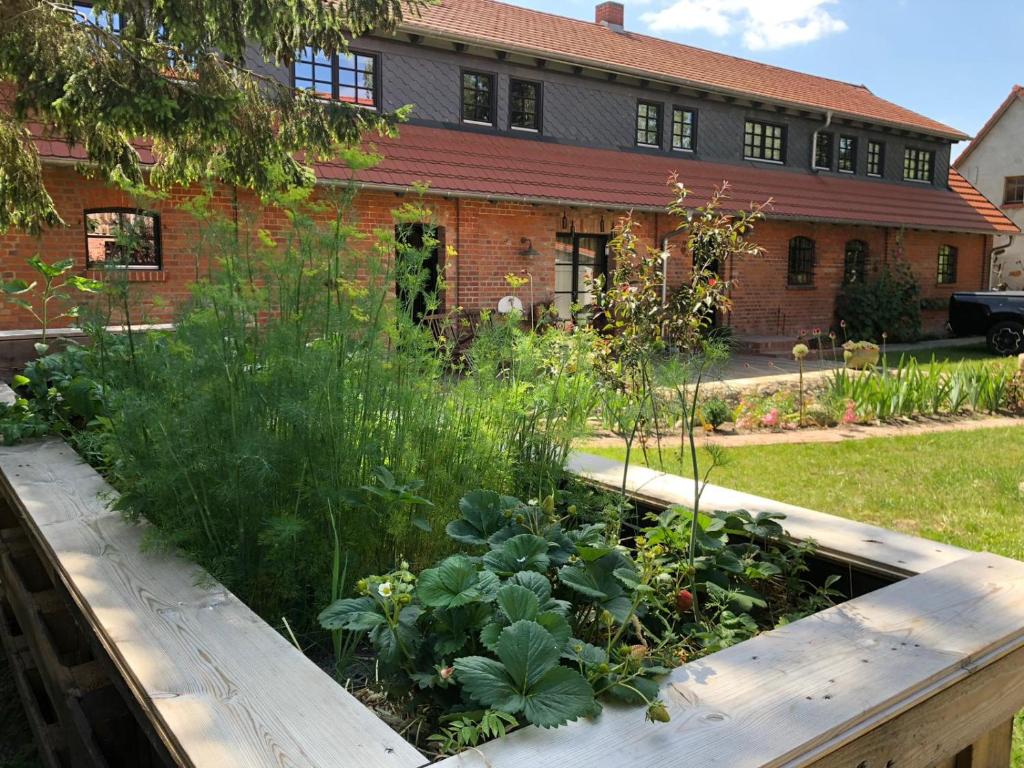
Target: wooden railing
{"x":137,"y":658}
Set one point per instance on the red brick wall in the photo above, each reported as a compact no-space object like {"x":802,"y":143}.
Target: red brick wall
{"x":487,"y":237}
{"x":765,"y":305}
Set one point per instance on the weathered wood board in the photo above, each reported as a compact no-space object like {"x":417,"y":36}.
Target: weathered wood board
{"x":792,"y":696}
{"x":866,"y":547}
{"x":220,"y":686}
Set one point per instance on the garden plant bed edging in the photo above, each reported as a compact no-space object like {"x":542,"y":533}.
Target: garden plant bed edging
{"x":837,"y":434}
{"x":844,"y":686}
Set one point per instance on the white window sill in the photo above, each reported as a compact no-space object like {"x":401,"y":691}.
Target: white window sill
{"x":917,"y":181}
{"x":478,"y":122}
{"x":683,"y":149}
{"x":764,"y":160}
{"x":648,"y":146}
{"x":524,"y":129}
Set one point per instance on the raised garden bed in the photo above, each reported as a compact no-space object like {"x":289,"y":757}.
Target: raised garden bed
{"x":926,"y":671}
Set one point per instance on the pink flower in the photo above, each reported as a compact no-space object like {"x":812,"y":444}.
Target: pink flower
{"x":850,"y":414}
{"x":771,"y":418}
{"x":712,"y":282}
{"x":842,"y":323}
{"x":817,"y":331}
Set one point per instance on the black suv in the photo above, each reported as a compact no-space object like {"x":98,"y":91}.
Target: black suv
{"x":996,"y":315}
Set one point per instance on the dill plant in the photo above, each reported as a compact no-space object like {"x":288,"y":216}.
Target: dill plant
{"x":301,"y":426}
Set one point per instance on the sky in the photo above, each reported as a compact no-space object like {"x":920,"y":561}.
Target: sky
{"x":952,"y":60}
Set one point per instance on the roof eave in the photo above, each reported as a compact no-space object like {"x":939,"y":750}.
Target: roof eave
{"x":482,"y":42}
{"x":540,"y":200}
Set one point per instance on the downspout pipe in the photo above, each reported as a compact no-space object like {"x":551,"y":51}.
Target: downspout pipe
{"x":814,"y":143}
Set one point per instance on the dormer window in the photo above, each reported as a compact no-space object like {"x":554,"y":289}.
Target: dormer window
{"x":478,"y":98}
{"x":847,"y":154}
{"x":824,"y":151}
{"x":918,"y":164}
{"x":648,"y":124}
{"x":524,"y":105}
{"x":684,"y":130}
{"x":350,"y":77}
{"x":876,"y":158}
{"x":764,"y":141}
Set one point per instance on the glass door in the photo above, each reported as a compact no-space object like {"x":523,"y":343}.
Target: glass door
{"x":579,"y":260}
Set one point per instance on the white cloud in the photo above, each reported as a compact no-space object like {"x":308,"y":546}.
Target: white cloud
{"x":763,"y":24}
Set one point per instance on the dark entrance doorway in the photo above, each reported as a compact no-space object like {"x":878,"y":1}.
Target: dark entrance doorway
{"x":417,"y":270}
{"x":579,"y":260}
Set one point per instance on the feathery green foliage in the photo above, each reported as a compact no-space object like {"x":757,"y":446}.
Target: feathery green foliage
{"x":181,"y":76}
{"x":300,"y":424}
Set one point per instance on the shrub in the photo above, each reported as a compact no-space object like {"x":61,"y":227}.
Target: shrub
{"x":715,"y":411}
{"x":889,"y":303}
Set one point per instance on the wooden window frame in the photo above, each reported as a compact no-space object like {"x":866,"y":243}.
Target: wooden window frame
{"x":334,"y":63}
{"x":879,"y":161}
{"x":946,"y":264}
{"x":912,"y":165}
{"x":800,"y":264}
{"x":157,"y":245}
{"x":831,"y":148}
{"x":855,"y":261}
{"x":659,"y":123}
{"x":846,"y":150}
{"x":492,"y":78}
{"x":677,"y":110}
{"x":1013,"y":191}
{"x":538,"y":107}
{"x":761,"y":145}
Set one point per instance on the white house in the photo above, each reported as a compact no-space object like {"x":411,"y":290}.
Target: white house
{"x":994,"y":164}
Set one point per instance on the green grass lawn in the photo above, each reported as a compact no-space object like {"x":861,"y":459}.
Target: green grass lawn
{"x":947,"y":357}
{"x":964,"y":488}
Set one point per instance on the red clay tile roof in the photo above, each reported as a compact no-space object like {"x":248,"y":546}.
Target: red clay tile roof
{"x":1017,"y":92}
{"x":511,"y":28}
{"x":470,"y":164}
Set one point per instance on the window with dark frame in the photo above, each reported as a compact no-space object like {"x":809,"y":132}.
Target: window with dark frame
{"x":580,"y":259}
{"x":947,"y":265}
{"x":764,"y":141}
{"x":876,"y":158}
{"x":847,"y":154}
{"x":918,"y":164}
{"x":350,"y":77}
{"x":1013,"y":190}
{"x":478,"y":98}
{"x":684,"y":129}
{"x":123,"y":238}
{"x":648,"y":124}
{"x":823,"y":151}
{"x":855,"y":261}
{"x":524,"y":105}
{"x":801,"y":261}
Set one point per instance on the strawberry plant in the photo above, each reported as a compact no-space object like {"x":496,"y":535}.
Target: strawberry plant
{"x":545,"y":615}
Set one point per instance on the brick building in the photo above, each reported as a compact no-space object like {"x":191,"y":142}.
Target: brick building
{"x":536,"y":133}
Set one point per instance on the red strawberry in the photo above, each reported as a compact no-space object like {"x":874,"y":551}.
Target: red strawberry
{"x":684,"y":601}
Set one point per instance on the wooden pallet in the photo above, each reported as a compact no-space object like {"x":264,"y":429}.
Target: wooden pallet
{"x":217,"y":685}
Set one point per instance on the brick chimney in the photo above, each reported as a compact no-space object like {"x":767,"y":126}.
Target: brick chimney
{"x":611,"y":15}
